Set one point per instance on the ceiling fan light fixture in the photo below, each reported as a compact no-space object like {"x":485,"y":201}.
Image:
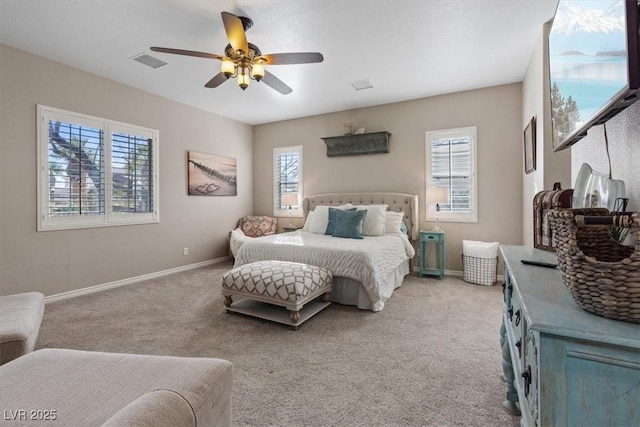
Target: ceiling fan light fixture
{"x":243,"y":60}
{"x":257,"y":71}
{"x":228,"y":68}
{"x":243,"y":80}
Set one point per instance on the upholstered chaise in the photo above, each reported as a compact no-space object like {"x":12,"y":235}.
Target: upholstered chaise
{"x":254,"y":226}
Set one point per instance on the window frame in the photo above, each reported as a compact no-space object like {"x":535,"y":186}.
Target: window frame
{"x":108,"y":127}
{"x":470,"y":216}
{"x":294,"y":212}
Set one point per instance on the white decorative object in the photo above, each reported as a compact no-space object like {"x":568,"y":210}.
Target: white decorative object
{"x":288,"y":200}
{"x":437,"y":195}
{"x":348,"y":128}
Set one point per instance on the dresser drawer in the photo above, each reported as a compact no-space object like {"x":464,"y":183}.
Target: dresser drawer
{"x":515,"y":328}
{"x":507,"y":289}
{"x":530,"y":378}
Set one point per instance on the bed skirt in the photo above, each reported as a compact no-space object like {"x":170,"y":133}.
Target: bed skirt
{"x":350,"y":292}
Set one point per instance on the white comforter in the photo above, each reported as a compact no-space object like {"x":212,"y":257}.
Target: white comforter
{"x":369,"y":260}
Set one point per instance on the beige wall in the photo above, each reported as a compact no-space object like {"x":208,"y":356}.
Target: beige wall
{"x":61,"y":261}
{"x":497,"y":113}
{"x":551,"y":167}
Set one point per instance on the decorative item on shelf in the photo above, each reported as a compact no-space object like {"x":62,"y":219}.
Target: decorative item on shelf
{"x":359,"y":131}
{"x":598,"y":190}
{"x":543,"y":201}
{"x":348,"y":128}
{"x":435,"y":196}
{"x":600,"y":274}
{"x":619,"y":234}
{"x":530,"y":146}
{"x":350,"y":145}
{"x":289,"y":199}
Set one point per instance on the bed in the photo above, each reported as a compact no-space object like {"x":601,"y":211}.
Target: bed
{"x":366,"y":271}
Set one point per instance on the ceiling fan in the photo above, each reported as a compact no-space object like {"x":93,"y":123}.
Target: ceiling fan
{"x":244,"y":60}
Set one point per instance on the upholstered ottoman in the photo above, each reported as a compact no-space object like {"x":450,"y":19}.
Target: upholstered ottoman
{"x":20,"y":318}
{"x":265,"y":284}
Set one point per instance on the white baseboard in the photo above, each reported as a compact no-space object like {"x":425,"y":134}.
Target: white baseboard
{"x":132,"y":280}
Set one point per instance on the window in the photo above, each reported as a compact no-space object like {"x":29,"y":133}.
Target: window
{"x":287,"y":181}
{"x":94,"y":172}
{"x":451,"y":163}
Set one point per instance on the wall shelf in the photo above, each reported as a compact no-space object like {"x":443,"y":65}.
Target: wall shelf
{"x":351,"y":145}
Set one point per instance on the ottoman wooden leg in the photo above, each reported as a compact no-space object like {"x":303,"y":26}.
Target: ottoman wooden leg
{"x":295,"y":317}
{"x":228,"y":300}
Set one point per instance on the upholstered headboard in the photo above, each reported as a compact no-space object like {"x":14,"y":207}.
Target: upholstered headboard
{"x":398,"y":202}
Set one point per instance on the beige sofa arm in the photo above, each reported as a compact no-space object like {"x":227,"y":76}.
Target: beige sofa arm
{"x":156,"y":408}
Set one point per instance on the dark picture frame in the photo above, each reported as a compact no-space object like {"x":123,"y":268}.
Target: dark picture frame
{"x":530,"y":146}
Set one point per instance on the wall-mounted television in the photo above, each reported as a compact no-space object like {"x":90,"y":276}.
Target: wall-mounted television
{"x":594,"y":65}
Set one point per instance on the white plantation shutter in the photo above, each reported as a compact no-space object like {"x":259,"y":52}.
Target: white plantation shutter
{"x":131,"y":173}
{"x":451,"y":162}
{"x":75,"y":169}
{"x":94,"y":172}
{"x":287,"y":178}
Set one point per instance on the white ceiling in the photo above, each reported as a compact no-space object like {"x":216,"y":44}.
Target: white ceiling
{"x":407,"y":49}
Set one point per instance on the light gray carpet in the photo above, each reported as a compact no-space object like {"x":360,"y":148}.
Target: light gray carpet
{"x":431,"y":357}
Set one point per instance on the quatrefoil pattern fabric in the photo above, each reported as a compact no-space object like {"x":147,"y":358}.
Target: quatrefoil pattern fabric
{"x":286,"y":281}
{"x":256,"y":226}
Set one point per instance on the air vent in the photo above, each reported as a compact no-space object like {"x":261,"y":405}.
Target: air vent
{"x":361,"y":84}
{"x":149,"y":60}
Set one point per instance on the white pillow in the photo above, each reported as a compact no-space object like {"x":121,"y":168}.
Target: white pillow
{"x":321,"y":218}
{"x":392,"y":222}
{"x":236,"y":240}
{"x":374,"y":223}
{"x":308,"y":221}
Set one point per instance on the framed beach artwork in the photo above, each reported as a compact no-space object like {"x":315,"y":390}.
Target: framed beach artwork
{"x":530,"y":146}
{"x":211,"y":175}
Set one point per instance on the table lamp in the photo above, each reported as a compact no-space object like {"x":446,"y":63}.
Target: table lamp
{"x":437,"y":195}
{"x":289,"y":199}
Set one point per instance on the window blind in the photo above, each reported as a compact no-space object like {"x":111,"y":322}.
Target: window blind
{"x":451,"y":164}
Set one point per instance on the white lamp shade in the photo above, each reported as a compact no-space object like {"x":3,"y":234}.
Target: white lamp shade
{"x":289,"y":199}
{"x":243,"y":80}
{"x":257,"y":71}
{"x":228,"y":67}
{"x":437,"y":195}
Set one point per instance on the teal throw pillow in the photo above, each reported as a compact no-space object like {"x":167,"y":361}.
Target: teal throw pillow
{"x":403,"y":228}
{"x":331,"y":226}
{"x":349,"y":224}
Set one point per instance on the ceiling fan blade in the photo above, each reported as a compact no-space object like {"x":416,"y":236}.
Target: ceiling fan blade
{"x":216,"y":81}
{"x":186,"y":52}
{"x":293,"y":58}
{"x":277,"y":84}
{"x":235,"y":32}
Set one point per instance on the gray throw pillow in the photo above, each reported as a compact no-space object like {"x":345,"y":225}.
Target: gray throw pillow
{"x":349,"y":224}
{"x":331,"y":226}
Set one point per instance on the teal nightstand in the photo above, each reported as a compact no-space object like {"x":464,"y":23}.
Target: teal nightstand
{"x":432,"y":236}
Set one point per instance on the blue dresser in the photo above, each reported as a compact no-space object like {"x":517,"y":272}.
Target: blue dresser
{"x":563,"y":366}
